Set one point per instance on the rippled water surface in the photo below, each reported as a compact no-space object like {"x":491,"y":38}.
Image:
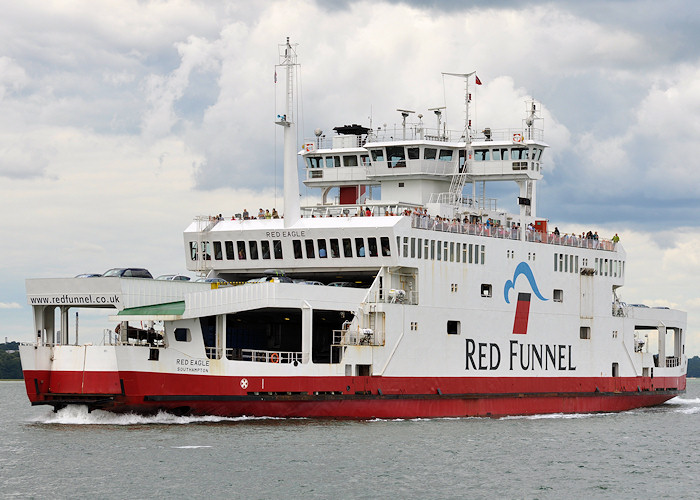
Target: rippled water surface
{"x":646,"y":453}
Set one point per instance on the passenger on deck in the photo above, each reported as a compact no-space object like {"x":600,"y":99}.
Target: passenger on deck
{"x":261,"y":214}
{"x":275,"y":215}
{"x":246,"y":215}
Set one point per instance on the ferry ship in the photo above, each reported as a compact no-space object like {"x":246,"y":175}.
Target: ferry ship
{"x":404,"y":292}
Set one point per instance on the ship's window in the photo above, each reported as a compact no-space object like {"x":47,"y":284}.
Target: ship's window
{"x":335,"y":249}
{"x":206,"y":250}
{"x":496,"y":154}
{"x":539,"y":154}
{"x":452,"y":251}
{"x":413,"y":248}
{"x":465,"y":252}
{"x":240,"y":245}
{"x":193,"y":250}
{"x":296,"y":244}
{"x":446,"y":155}
{"x":218,"y":255}
{"x":483,"y":254}
{"x":585,"y":332}
{"x":386,"y":251}
{"x":518,"y":154}
{"x":314,"y":162}
{"x":430,"y":153}
{"x":360,"y":247}
{"x":377,"y":154}
{"x":558,"y":295}
{"x":461,"y":161}
{"x":413,"y":153}
{"x":347,"y":247}
{"x":615,"y":370}
{"x":230,"y":254}
{"x":396,"y":156}
{"x":438,"y":249}
{"x":332,"y":161}
{"x":453,"y":327}
{"x":265,"y":249}
{"x":277,"y":248}
{"x":486,"y":290}
{"x":322,"y":254}
{"x":253,"y":245}
{"x":309,"y":249}
{"x":457,"y":251}
{"x":405,"y":246}
{"x":364,"y":160}
{"x":556,"y":258}
{"x":400,"y":184}
{"x":350,"y":160}
{"x":481,"y":155}
{"x":419,"y":247}
{"x":471,"y":253}
{"x":183,"y":335}
{"x":426,"y":249}
{"x":444,"y":246}
{"x":432,"y":249}
{"x":504,"y":154}
{"x":476,"y":254}
{"x":372,"y":245}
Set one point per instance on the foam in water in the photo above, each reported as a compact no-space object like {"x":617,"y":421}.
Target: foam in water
{"x":79,"y":415}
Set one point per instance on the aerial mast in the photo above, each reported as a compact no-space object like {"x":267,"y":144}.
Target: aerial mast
{"x":292,"y":211}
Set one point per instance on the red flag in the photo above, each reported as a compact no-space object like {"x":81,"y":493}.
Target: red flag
{"x":478,"y":82}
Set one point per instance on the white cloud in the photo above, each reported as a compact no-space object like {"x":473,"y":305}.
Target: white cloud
{"x":10,"y":305}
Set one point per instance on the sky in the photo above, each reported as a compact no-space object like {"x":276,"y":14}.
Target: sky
{"x":121,"y":120}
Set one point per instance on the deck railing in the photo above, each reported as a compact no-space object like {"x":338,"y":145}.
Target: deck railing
{"x":260,"y":356}
{"x":512,"y":233}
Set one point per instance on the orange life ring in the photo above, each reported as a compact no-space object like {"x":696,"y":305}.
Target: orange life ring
{"x":517,"y":138}
{"x":274,"y":358}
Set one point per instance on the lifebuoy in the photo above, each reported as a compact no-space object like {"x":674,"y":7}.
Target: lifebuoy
{"x":517,"y":138}
{"x":274,"y":358}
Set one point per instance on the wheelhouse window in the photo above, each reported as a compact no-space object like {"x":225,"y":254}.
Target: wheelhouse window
{"x":347,"y":247}
{"x":377,"y":154}
{"x":183,"y":335}
{"x":314,"y":162}
{"x":332,"y":161}
{"x":396,"y":156}
{"x":430,"y":153}
{"x":413,"y":153}
{"x":364,"y":160}
{"x":350,"y":161}
{"x":482,"y":155}
{"x":446,"y":155}
{"x":519,"y":153}
{"x":206,"y":250}
{"x":193,"y":250}
{"x":218,"y":255}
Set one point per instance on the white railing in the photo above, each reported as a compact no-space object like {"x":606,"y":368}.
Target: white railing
{"x":259,"y":356}
{"x":512,"y":233}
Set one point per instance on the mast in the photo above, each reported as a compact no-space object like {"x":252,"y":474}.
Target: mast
{"x":292,"y":211}
{"x":460,"y":177}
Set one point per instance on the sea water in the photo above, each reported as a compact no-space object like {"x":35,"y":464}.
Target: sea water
{"x":644,"y":453}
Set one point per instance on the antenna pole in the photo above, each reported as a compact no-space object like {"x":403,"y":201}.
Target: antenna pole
{"x":292,"y":211}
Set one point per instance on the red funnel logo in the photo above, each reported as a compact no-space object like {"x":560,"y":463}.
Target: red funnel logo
{"x":522,"y":313}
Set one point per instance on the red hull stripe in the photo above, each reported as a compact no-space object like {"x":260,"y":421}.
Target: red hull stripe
{"x":357,"y":397}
